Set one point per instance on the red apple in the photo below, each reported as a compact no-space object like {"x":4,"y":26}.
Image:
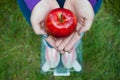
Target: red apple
{"x":60,"y":22}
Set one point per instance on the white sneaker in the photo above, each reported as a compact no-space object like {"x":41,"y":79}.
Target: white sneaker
{"x":52,"y":58}
{"x":69,"y":60}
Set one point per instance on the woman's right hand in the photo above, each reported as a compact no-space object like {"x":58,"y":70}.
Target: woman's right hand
{"x":38,"y":15}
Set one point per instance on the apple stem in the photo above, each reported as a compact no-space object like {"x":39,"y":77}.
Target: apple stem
{"x":61,"y":17}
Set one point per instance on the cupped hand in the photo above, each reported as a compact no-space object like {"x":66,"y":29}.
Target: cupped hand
{"x":38,"y":15}
{"x":85,"y":15}
{"x":84,"y":12}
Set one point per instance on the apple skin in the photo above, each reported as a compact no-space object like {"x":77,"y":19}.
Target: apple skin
{"x":60,"y":22}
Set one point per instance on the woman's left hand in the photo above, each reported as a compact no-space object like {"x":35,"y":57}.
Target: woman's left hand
{"x":85,"y":15}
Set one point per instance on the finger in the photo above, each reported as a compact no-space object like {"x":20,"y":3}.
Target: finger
{"x":86,"y":26}
{"x":65,"y":42}
{"x":73,"y":41}
{"x":79,"y":25}
{"x":43,"y":32}
{"x":71,"y":49}
{"x":42,"y":25}
{"x":58,"y":42}
{"x":51,"y":41}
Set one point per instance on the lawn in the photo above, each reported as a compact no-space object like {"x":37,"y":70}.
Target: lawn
{"x":20,"y":47}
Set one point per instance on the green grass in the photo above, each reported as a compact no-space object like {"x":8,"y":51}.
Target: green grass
{"x":20,"y":48}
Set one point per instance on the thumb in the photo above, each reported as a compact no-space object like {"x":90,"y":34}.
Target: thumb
{"x":87,"y":25}
{"x":38,"y":28}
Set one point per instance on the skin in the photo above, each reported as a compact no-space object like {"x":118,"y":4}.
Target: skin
{"x":81,"y":8}
{"x":85,"y":15}
{"x":39,"y":13}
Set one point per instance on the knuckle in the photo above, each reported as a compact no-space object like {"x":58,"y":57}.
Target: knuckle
{"x":60,"y":48}
{"x":66,"y":49}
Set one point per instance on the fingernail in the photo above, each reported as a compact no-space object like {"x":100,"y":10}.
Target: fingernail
{"x":58,"y":43}
{"x":67,"y":51}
